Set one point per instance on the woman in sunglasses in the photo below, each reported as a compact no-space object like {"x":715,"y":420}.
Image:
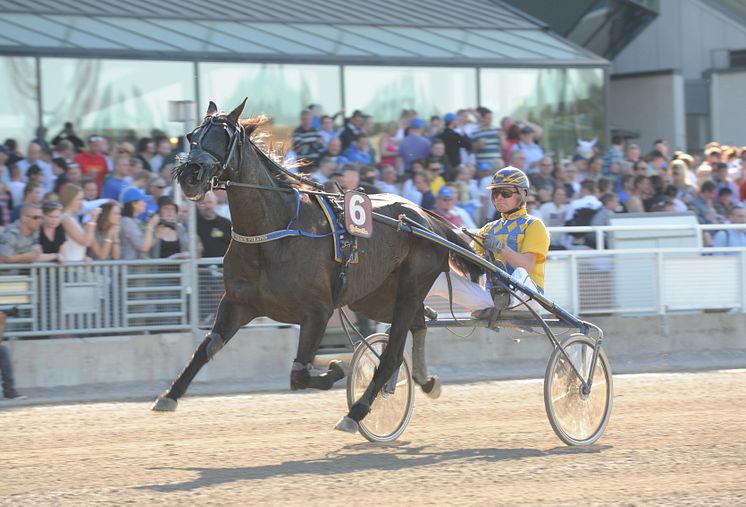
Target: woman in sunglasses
{"x":517,"y":242}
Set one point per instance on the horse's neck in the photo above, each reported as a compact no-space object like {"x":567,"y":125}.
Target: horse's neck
{"x":258,"y":211}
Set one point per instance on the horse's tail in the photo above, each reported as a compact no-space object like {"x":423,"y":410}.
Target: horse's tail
{"x":444,"y":228}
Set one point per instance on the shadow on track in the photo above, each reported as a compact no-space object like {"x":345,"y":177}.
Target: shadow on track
{"x":396,"y":456}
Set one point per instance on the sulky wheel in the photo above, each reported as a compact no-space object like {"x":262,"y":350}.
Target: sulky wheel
{"x":390,"y":412}
{"x":578,"y":418}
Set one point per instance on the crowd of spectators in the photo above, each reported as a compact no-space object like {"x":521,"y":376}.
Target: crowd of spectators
{"x":69,"y":200}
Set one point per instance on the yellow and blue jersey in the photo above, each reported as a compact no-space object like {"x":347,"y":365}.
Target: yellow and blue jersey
{"x":521,"y":232}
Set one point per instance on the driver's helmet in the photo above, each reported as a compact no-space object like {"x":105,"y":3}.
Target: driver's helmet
{"x":509,"y":177}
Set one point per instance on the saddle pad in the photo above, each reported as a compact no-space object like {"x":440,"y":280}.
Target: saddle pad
{"x":338,"y":233}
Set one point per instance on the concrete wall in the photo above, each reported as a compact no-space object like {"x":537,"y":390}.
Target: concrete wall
{"x":728,"y":107}
{"x":261,"y":358}
{"x":688,"y":36}
{"x":652,"y":104}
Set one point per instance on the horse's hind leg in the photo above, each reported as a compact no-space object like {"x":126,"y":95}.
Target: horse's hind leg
{"x":408,"y":302}
{"x":311,"y":332}
{"x":430,"y":384}
{"x":230,"y":317}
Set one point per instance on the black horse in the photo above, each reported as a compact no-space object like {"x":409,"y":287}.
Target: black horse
{"x":295,"y":279}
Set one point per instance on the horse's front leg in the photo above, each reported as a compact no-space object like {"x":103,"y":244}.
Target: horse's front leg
{"x":311,"y":332}
{"x":230,"y":317}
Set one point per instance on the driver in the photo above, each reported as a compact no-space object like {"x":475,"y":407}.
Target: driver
{"x":517,"y":242}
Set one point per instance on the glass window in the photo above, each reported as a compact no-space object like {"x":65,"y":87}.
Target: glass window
{"x":115,"y":98}
{"x":280,"y":91}
{"x":19,"y":107}
{"x":567,"y":103}
{"x":384,"y":91}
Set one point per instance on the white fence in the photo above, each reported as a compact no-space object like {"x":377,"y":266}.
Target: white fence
{"x":119,"y":297}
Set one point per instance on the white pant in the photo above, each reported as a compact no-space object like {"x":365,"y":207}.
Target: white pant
{"x":474,"y":296}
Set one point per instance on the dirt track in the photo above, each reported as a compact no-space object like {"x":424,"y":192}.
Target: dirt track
{"x":673,"y":439}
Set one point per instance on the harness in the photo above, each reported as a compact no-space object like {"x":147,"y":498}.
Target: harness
{"x":345,"y":250}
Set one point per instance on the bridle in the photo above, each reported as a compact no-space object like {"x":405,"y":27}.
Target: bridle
{"x":205,"y":158}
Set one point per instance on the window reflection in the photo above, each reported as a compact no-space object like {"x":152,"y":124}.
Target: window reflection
{"x":384,"y":91}
{"x":281,"y":91}
{"x":567,"y":103}
{"x":19,"y":106}
{"x":114,"y":97}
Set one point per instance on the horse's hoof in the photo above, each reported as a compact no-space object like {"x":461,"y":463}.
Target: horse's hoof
{"x":164,"y":404}
{"x":338,"y":369}
{"x":433,"y":387}
{"x":348,"y":425}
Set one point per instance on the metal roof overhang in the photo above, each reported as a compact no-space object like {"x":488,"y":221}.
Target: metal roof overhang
{"x":118,"y":37}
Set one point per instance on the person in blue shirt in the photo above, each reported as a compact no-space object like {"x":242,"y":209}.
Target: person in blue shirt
{"x":120,"y":178}
{"x":359,"y":150}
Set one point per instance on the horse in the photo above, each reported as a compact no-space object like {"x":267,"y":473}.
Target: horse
{"x":295,"y":279}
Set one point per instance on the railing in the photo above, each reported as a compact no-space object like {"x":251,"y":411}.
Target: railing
{"x":115,"y":297}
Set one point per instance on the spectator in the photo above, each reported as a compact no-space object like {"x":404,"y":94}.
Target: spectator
{"x":414,"y":146}
{"x":542,"y":182}
{"x":33,"y":158}
{"x":93,"y":162}
{"x":445,"y":206}
{"x":633,"y":153}
{"x":163,"y":149}
{"x":672,"y":202}
{"x":517,"y":159}
{"x":679,"y":172}
{"x":533,"y":152}
{"x":106,"y":243}
{"x":33,"y":193}
{"x":731,"y":237}
{"x":6,"y":366}
{"x":435,"y":175}
{"x":388,"y":146}
{"x":135,"y":242}
{"x":120,"y":178}
{"x":661,"y":145}
{"x":353,"y":126}
{"x":587,"y":199}
{"x":656,"y":164}
{"x":724,"y":203}
{"x":486,"y":138}
{"x":222,"y":207}
{"x":171,"y":238}
{"x":567,"y":177}
{"x":512,"y":136}
{"x":326,"y":129}
{"x":52,"y":235}
{"x":156,"y":188}
{"x":613,"y":158}
{"x":214,"y":231}
{"x":145,"y":152}
{"x":628,"y":185}
{"x":349,"y":177}
{"x":610,"y":206}
{"x":438,"y":152}
{"x":4,"y":169}
{"x":327,"y":166}
{"x":453,"y":142}
{"x":368,"y":176}
{"x":435,"y":127}
{"x":333,"y":151}
{"x":79,"y":238}
{"x":388,"y":183}
{"x":468,"y":194}
{"x":19,"y":242}
{"x":658,"y":196}
{"x":553,"y":214}
{"x":703,"y":205}
{"x":64,"y":150}
{"x":359,"y":151}
{"x":595,"y":164}
{"x":68,"y":134}
{"x":641,"y":188}
{"x":405,"y":120}
{"x":73,"y":175}
{"x":308,"y":144}
{"x":466,"y":127}
{"x":722,"y":180}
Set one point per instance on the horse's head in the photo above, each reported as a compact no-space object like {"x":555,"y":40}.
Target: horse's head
{"x":213,"y":147}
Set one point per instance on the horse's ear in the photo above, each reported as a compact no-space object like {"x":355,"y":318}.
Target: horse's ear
{"x":211,"y":109}
{"x":236,"y":113}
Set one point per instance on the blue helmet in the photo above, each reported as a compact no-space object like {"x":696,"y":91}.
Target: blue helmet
{"x":509,"y":177}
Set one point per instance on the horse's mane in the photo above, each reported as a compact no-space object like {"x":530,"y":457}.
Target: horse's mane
{"x":262,"y":139}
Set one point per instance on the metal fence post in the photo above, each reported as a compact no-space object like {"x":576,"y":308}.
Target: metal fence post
{"x":661,"y":283}
{"x":574,"y":284}
{"x":193,"y":273}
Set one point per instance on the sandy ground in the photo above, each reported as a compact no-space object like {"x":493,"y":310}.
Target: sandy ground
{"x":675,"y":439}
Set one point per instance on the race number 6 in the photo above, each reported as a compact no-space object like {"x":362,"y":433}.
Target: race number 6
{"x":358,"y":216}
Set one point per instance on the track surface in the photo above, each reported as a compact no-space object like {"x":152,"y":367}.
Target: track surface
{"x":673,"y":439}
